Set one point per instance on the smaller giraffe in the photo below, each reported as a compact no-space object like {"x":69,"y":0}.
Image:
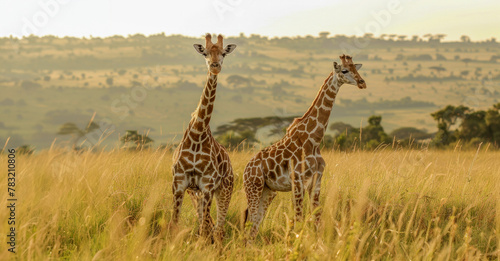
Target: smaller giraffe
{"x":295,"y":162}
{"x":201,"y":166}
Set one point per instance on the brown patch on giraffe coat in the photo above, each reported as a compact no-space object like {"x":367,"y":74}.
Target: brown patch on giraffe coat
{"x":185,"y":164}
{"x":279,"y":157}
{"x":205,"y":149}
{"x":270,"y":163}
{"x":204,"y":102}
{"x":323,"y":115}
{"x":207,"y":93}
{"x":195,"y":136}
{"x":331,"y":93}
{"x":204,"y":157}
{"x":271,"y":174}
{"x":327,"y":103}
{"x":287,"y":154}
{"x":210,"y":109}
{"x":190,"y":156}
{"x":187,"y":142}
{"x":302,"y":137}
{"x":311,"y":124}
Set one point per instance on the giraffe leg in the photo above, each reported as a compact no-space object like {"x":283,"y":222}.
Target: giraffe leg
{"x":314,"y":191}
{"x":298,"y":196}
{"x":315,"y":187}
{"x":254,"y":186}
{"x":264,"y":202}
{"x":266,"y":199}
{"x":179,"y":186}
{"x":223,"y":197}
{"x":196,"y":199}
{"x":207,"y":224}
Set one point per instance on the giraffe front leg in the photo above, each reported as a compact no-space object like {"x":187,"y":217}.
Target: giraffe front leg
{"x":179,"y":186}
{"x":315,"y":187}
{"x":314,"y":192}
{"x":298,"y":196}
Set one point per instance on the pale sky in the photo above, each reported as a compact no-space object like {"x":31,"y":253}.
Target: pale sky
{"x":478,"y":19}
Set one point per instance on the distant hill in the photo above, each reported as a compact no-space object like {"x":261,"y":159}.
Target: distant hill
{"x":154,"y":82}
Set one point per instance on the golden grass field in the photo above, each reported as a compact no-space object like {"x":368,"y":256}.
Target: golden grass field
{"x":388,"y":204}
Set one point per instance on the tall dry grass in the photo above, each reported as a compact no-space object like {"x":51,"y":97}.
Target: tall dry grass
{"x":387,"y":204}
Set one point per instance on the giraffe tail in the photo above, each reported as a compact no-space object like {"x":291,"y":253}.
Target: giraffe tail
{"x":245,"y":216}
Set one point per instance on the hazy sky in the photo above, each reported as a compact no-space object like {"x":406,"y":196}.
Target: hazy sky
{"x":479,"y":19}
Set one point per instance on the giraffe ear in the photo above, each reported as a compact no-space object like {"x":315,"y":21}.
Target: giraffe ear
{"x":336,"y":67}
{"x":200,"y":49}
{"x":358,"y":66}
{"x":229,"y":48}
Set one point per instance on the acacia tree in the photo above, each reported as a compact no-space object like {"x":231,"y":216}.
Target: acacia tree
{"x":492,"y":119}
{"x":244,"y":130}
{"x":369,"y":137}
{"x":438,"y":69}
{"x":139,"y":140}
{"x":475,"y":126}
{"x":77,"y":134}
{"x":481,"y":126}
{"x":446,"y":118}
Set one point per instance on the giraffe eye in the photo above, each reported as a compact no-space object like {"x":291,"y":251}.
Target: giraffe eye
{"x":345,"y":71}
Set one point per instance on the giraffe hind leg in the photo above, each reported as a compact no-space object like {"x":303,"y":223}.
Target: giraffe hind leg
{"x":254,"y":186}
{"x":197,"y":203}
{"x":206,"y":227}
{"x":179,"y":186}
{"x":223,"y":198}
{"x":266,"y":199}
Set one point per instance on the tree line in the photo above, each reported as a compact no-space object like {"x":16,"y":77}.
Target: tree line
{"x":457,"y":126}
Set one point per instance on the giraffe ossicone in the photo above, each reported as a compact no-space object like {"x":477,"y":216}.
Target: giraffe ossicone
{"x":294,"y":163}
{"x":201,"y":166}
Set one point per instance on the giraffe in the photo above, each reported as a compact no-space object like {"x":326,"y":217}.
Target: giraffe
{"x":295,"y":162}
{"x":201,"y":166}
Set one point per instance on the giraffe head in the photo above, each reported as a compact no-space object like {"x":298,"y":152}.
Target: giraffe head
{"x":348,"y":72}
{"x":214,"y":53}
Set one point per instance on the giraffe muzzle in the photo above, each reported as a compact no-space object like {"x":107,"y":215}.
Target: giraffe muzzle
{"x":361,"y":84}
{"x":215,"y":68}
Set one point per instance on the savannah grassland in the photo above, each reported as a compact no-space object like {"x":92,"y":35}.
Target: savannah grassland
{"x":387,"y":204}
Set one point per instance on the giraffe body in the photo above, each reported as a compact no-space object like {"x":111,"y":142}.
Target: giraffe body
{"x":201,"y":166}
{"x":294,"y":163}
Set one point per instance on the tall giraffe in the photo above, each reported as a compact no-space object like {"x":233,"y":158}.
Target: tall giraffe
{"x":200,"y":164}
{"x":295,"y":161}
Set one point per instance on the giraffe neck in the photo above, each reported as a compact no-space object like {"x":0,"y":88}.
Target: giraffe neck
{"x":201,"y":116}
{"x":317,"y":116}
